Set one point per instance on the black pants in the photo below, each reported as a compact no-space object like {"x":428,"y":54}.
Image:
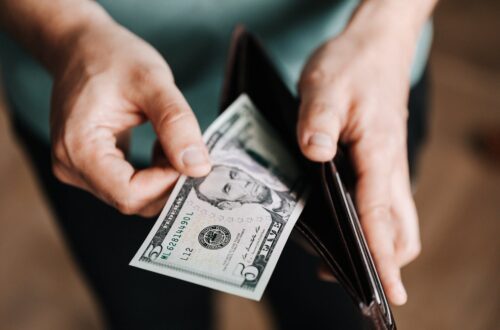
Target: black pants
{"x":103,"y":241}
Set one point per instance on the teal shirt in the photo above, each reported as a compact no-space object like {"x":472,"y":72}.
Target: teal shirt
{"x":193,"y":36}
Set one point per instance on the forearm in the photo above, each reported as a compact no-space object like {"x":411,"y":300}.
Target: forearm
{"x":48,"y":28}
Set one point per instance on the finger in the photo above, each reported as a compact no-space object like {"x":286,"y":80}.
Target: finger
{"x":66,"y":175}
{"x":407,"y":243}
{"x":320,"y":123}
{"x":383,"y":253}
{"x":62,"y":165}
{"x":155,"y":207}
{"x":113,"y":179}
{"x":373,"y":157}
{"x":176,"y":127}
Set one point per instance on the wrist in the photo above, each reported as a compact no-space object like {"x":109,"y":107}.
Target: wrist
{"x":386,"y":25}
{"x":395,"y":18}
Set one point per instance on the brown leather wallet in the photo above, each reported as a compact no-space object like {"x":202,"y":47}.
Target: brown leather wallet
{"x":329,"y":221}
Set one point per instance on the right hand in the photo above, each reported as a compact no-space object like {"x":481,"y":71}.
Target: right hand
{"x":108,"y":82}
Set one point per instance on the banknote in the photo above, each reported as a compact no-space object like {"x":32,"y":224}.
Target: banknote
{"x":227,"y":230}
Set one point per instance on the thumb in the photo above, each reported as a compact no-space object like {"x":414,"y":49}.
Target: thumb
{"x":177,"y":128}
{"x":321,"y":120}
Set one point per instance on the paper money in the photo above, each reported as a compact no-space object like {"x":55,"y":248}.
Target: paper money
{"x":227,"y":230}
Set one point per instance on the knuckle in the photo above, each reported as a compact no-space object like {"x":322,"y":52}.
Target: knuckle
{"x":316,"y":77}
{"x":126,"y":206}
{"x":335,"y":85}
{"x":151,"y":76}
{"x":126,"y":209}
{"x":147,"y":213}
{"x":144,"y":74}
{"x":70,"y":144}
{"x":122,"y":207}
{"x":376,"y":157}
{"x":67,"y":146}
{"x":319,"y":113}
{"x":409,"y":251}
{"x":59,"y":173}
{"x":378,"y":212}
{"x":74,"y":150}
{"x":173,"y":113}
{"x":381,"y":145}
{"x":381,"y":128}
{"x":144,"y":214}
{"x":413,"y":250}
{"x":59,"y":152}
{"x":128,"y":203}
{"x":317,"y":109}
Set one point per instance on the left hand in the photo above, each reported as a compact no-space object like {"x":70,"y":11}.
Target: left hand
{"x":354,"y":89}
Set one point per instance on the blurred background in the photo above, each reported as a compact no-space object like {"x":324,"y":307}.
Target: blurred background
{"x":454,"y":284}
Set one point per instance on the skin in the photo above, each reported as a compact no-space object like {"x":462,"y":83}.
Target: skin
{"x":107,"y":80}
{"x":354,"y":89}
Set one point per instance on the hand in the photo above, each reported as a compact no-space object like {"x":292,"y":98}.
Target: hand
{"x":109,"y":82}
{"x":355,"y":89}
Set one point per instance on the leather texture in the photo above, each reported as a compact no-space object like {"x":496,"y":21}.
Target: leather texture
{"x":329,"y":221}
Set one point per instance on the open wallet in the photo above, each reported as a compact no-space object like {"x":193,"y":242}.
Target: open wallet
{"x":329,"y":221}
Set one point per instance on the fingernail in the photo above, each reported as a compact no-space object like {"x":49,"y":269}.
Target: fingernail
{"x":320,"y":140}
{"x":194,"y":156}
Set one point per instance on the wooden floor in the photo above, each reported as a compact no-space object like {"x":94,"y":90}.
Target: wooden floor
{"x":455,"y":284}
